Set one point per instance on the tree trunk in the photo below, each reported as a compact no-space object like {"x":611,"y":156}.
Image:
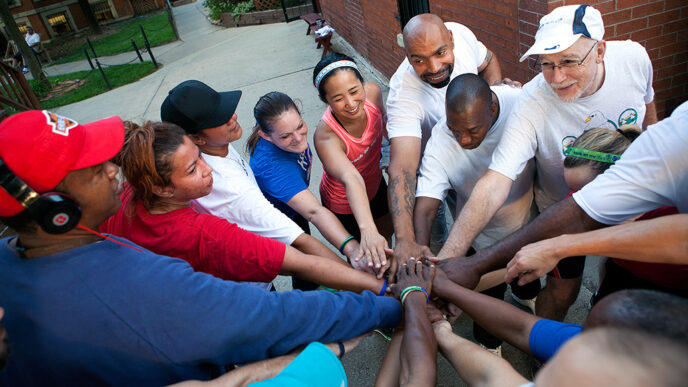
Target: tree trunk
{"x":90,"y":16}
{"x":27,"y":53}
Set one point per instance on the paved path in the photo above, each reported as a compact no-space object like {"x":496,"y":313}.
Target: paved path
{"x":257,"y":60}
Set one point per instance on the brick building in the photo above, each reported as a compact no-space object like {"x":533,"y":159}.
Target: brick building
{"x":508,"y":28}
{"x":54,"y":18}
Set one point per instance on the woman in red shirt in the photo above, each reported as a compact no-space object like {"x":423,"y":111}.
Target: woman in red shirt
{"x":165,"y":172}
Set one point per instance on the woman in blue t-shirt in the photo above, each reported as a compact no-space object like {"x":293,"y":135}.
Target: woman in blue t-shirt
{"x":281,"y":161}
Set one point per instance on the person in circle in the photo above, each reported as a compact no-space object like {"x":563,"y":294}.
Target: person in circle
{"x":348,"y":141}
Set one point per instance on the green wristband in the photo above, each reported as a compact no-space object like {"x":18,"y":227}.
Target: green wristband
{"x":347,"y":240}
{"x":411,"y":289}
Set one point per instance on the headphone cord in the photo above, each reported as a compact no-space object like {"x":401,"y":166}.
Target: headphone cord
{"x":81,"y":226}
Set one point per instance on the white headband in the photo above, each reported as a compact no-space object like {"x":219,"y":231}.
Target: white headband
{"x":332,"y":66}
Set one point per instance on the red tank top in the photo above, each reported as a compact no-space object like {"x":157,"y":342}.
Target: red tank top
{"x":364,"y":154}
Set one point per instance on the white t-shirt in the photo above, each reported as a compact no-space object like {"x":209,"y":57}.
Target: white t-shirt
{"x":652,"y":172}
{"x":542,"y":125}
{"x":448,"y":166}
{"x":237,"y":198}
{"x":413,"y":106}
{"x":32,"y":39}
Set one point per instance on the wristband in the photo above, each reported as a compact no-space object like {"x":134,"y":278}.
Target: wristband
{"x":384,"y":287}
{"x":411,"y":289}
{"x":341,"y":349}
{"x":341,"y":247}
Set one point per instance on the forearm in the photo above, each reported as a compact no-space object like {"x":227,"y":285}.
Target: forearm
{"x":324,"y":272}
{"x":565,"y":217}
{"x":423,"y":217}
{"x":419,"y":346}
{"x":498,"y":317}
{"x":308,"y":244}
{"x":660,"y":240}
{"x":401,"y":192}
{"x":359,"y":203}
{"x":329,"y":226}
{"x":487,"y":197}
{"x":476,"y":366}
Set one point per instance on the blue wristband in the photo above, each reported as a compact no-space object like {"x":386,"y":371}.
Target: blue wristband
{"x":384,"y":287}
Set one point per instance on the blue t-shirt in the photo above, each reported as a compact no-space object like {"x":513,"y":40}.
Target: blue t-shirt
{"x":106,"y":314}
{"x":280,"y":174}
{"x":316,"y":366}
{"x":547,"y":336}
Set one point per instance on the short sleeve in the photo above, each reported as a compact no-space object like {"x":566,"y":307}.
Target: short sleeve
{"x":237,"y":198}
{"x":476,"y":47}
{"x":404,"y":111}
{"x":315,"y":366}
{"x":283,"y":181}
{"x":547,"y":336}
{"x":517,"y":145}
{"x":433,"y":181}
{"x":229,"y":252}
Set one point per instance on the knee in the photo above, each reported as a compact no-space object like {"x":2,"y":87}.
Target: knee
{"x":564,"y":290}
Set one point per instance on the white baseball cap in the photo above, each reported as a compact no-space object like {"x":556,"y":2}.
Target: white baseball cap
{"x":562,"y":27}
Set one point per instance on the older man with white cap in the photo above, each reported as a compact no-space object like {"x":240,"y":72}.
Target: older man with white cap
{"x":584,"y":83}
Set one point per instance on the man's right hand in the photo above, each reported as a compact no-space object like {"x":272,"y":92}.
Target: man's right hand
{"x":407,"y":248}
{"x":461,"y":270}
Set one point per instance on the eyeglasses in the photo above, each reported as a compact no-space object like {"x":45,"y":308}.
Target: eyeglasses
{"x":564,"y":65}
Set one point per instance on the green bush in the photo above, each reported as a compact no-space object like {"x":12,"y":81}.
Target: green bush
{"x":236,"y":7}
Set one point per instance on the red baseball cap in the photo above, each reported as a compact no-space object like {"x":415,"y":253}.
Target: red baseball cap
{"x":41,"y":148}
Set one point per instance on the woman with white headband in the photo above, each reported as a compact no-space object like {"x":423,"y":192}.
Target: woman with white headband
{"x":348,"y":140}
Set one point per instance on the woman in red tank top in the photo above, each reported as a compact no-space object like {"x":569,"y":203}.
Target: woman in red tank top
{"x":348,"y":141}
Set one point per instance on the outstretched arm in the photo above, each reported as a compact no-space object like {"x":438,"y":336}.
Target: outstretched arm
{"x":498,"y":317}
{"x":475,"y":365}
{"x":488,"y":195}
{"x":423,"y":217}
{"x":660,"y":240}
{"x":308,"y":244}
{"x":331,"y":228}
{"x":325,"y":272}
{"x":404,"y":159}
{"x":563,"y":217}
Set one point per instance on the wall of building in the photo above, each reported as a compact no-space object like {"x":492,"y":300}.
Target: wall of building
{"x":508,"y":28}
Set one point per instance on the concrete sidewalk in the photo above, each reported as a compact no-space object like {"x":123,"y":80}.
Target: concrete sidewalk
{"x":257,"y":60}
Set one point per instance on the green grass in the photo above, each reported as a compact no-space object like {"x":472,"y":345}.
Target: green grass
{"x":158,"y":31}
{"x":117,"y":75}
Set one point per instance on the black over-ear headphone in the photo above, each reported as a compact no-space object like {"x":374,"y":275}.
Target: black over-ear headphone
{"x":55,"y":212}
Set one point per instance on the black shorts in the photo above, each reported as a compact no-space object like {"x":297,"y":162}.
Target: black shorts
{"x":378,"y":208}
{"x":569,"y":268}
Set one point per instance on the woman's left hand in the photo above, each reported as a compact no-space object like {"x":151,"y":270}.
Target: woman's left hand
{"x":374,"y":247}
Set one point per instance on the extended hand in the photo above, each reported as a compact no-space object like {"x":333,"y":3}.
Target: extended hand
{"x":532,"y":261}
{"x":461,"y":271}
{"x":405,"y":249}
{"x":374,"y":246}
{"x":415,"y":272}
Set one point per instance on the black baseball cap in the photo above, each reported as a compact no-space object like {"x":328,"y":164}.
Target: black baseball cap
{"x":195,"y":106}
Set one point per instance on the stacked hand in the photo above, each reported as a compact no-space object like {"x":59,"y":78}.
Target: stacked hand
{"x":415,"y":272}
{"x":373,"y":253}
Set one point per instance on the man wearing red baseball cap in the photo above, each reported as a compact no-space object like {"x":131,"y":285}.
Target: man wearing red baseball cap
{"x":84,"y":308}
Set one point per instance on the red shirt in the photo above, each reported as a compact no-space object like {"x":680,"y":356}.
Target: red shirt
{"x":210,"y":244}
{"x":663,"y":274}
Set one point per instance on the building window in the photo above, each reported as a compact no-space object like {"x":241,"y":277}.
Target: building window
{"x":59,"y":23}
{"x":22,"y":28}
{"x":102,"y":11}
{"x":411,"y":8}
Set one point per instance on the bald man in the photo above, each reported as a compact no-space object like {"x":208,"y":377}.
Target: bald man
{"x":436,"y":52}
{"x":456,"y":156}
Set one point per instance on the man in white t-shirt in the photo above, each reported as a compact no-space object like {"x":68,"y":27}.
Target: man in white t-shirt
{"x":457,"y":155}
{"x":653,"y":172}
{"x":436,"y":52}
{"x":32,"y":40}
{"x":585,"y":83}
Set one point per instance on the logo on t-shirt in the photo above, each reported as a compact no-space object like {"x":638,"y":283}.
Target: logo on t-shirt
{"x":566,"y":142}
{"x":628,"y":117}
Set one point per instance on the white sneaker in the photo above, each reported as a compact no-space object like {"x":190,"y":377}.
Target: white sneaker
{"x":530,"y":304}
{"x":25,"y":70}
{"x":495,"y":351}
